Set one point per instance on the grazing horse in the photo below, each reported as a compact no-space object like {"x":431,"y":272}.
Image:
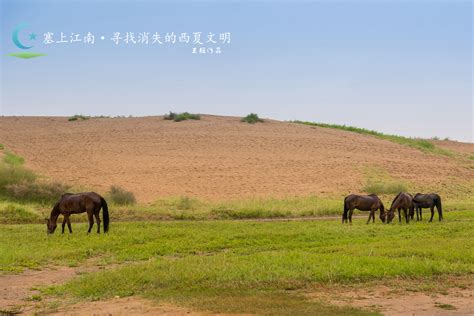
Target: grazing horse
{"x":403,"y":201}
{"x":369,"y":202}
{"x":68,"y":204}
{"x":430,"y":200}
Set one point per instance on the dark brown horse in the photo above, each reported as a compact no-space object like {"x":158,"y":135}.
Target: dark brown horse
{"x":68,"y":204}
{"x":430,"y":200}
{"x":403,"y":201}
{"x":369,"y":202}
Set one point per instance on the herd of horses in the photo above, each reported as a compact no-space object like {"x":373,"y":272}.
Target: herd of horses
{"x":91,"y":203}
{"x":402,"y":202}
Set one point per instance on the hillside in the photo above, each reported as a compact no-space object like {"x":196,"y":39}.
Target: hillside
{"x":220,"y":158}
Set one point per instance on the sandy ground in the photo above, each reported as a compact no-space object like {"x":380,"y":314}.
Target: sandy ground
{"x":18,"y":294}
{"x":392,"y":301}
{"x":215,"y":158}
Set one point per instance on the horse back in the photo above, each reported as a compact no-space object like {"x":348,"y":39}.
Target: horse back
{"x":79,"y":203}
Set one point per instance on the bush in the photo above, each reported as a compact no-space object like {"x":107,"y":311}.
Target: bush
{"x":14,"y":174}
{"x":384,"y":188}
{"x":43,"y":193}
{"x":178,"y":117}
{"x":186,"y":204}
{"x":77,"y":117}
{"x":12,"y":159}
{"x":2,"y":147}
{"x":252,"y":118}
{"x":120,"y":196}
{"x":15,"y":214}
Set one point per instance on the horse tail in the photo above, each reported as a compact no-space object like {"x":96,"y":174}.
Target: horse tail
{"x":438,"y":206}
{"x":105,"y":214}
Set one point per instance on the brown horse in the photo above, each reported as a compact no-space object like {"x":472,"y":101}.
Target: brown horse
{"x":68,"y":204}
{"x":369,"y":202}
{"x":403,"y":201}
{"x":430,"y":200}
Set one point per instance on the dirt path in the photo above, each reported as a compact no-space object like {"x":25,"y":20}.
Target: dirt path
{"x":123,"y":306}
{"x":18,"y":294}
{"x":18,"y":291}
{"x":397,"y":301}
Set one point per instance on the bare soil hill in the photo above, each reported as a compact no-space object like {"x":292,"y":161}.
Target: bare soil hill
{"x":219,"y":158}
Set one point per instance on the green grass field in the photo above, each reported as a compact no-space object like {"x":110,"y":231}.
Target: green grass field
{"x":243,"y":266}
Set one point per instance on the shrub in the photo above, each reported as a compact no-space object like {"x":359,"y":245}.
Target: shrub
{"x":15,"y":214}
{"x":2,"y":147}
{"x":12,"y":159}
{"x":384,"y":188}
{"x":14,"y":174}
{"x":185,"y":204}
{"x":41,"y":192}
{"x":252,"y":118}
{"x":77,"y":117}
{"x":171,"y":116}
{"x":178,"y":117}
{"x":120,"y":196}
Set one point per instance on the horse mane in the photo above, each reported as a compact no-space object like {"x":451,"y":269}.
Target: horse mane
{"x":55,"y":211}
{"x":396,"y":197}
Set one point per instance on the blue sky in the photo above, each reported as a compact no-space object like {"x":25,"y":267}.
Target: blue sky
{"x":402,"y":67}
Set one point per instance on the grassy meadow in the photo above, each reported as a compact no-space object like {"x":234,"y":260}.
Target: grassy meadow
{"x":242,"y":266}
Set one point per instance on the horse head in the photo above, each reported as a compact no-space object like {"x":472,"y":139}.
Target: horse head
{"x":390,"y":215}
{"x":50,"y":225}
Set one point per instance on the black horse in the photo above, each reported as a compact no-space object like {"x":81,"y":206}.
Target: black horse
{"x":430,"y":200}
{"x":68,"y":204}
{"x":369,"y":202}
{"x":403,"y":201}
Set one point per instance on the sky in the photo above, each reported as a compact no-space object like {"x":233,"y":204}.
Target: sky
{"x":400,"y":67}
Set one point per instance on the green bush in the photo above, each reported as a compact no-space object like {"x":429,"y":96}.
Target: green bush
{"x":120,"y":196}
{"x":77,"y":117}
{"x":40,"y":192}
{"x":14,"y":174}
{"x":12,"y":159}
{"x":20,"y":184}
{"x":252,"y":118}
{"x":178,"y":117}
{"x":15,"y":214}
{"x":2,"y":147}
{"x":384,"y":188}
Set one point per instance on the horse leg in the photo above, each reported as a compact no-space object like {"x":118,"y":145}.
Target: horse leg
{"x":370,"y":217}
{"x":97,"y":219}
{"x":399,"y":215}
{"x":421,"y":214}
{"x":432,"y":213}
{"x":405,"y":212}
{"x":373,"y":216}
{"x":91,"y":221}
{"x":64,"y":224}
{"x":440,"y":213}
{"x":350,"y":215}
{"x":69,"y":225}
